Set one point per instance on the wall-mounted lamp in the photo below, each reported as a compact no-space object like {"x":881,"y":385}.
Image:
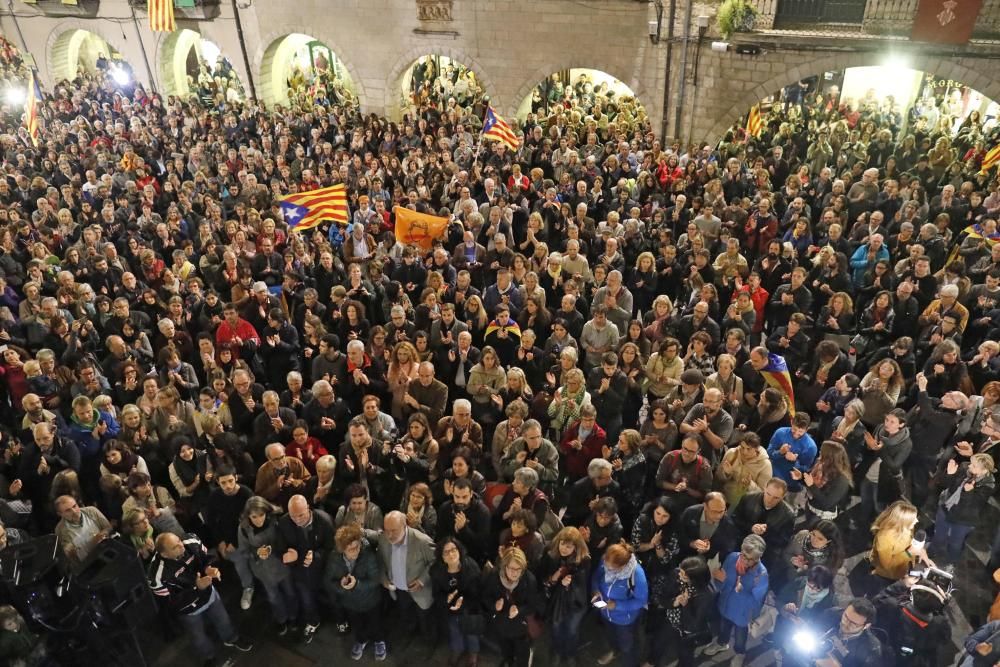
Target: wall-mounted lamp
{"x":654,"y":26}
{"x":702,"y":22}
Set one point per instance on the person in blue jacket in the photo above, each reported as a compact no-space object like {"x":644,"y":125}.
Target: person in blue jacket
{"x":865,"y":258}
{"x":792,"y":448}
{"x":90,"y":428}
{"x":743,"y":584}
{"x":620,"y":595}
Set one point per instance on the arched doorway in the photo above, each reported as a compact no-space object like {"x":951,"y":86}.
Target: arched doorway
{"x":191,"y":64}
{"x":81,"y":50}
{"x":435,"y":79}
{"x":584,"y":90}
{"x":296,"y":65}
{"x":852,"y":105}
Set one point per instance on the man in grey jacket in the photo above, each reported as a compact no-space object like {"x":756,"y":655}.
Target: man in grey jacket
{"x":405,"y":556}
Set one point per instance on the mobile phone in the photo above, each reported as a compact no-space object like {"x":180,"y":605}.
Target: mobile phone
{"x":599,"y":604}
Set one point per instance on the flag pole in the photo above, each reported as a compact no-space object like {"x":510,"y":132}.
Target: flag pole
{"x":142,"y":47}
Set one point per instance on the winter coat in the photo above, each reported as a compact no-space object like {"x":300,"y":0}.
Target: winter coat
{"x":82,"y":434}
{"x":630,"y":594}
{"x":270,"y":570}
{"x":741,"y":607}
{"x":367,"y":592}
{"x":731,"y":484}
{"x":971,"y":504}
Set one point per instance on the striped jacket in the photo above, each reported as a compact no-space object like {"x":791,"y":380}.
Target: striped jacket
{"x":173,"y":581}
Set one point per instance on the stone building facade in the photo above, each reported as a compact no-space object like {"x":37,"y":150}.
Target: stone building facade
{"x":510,"y":44}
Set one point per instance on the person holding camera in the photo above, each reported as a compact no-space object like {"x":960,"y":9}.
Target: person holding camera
{"x":281,"y":476}
{"x":912,"y":614}
{"x":838,"y":638}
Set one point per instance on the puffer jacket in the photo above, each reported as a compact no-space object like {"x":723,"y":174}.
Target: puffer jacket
{"x":630,"y":593}
{"x":367,"y":592}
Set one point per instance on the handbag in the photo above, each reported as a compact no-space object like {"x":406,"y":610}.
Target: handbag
{"x":535,"y":626}
{"x":765,"y":621}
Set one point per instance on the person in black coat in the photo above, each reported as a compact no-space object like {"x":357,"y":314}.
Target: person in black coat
{"x":457,"y":582}
{"x":766,"y":513}
{"x":967,"y":491}
{"x":327,"y":416}
{"x":509,"y":597}
{"x":719,"y":537}
{"x":564,"y":572}
{"x":932,"y":423}
{"x":583,"y":493}
{"x":608,"y":387}
{"x":467,"y":518}
{"x":305,"y":540}
{"x":681,"y":611}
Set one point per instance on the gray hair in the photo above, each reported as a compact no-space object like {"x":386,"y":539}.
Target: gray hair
{"x":326,"y":462}
{"x":753,"y":546}
{"x":462,"y":403}
{"x":293,"y":375}
{"x":354,"y":345}
{"x":321,"y":387}
{"x":950,"y":290}
{"x":527,"y":477}
{"x":598,"y":466}
{"x":270,"y":393}
{"x":274,"y":447}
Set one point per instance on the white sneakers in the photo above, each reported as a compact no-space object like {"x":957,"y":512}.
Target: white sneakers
{"x":247,"y":598}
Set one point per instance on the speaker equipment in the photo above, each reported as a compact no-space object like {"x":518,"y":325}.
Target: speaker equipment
{"x":26,"y":563}
{"x":115,"y":578}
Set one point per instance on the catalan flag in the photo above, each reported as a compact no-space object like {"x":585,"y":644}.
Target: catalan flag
{"x":418,"y":228}
{"x":305,"y":210}
{"x":495,"y":127}
{"x":32,"y":109}
{"x":776,"y":375}
{"x":974,"y":231}
{"x":754,"y":122}
{"x":990,"y":159}
{"x":161,"y":15}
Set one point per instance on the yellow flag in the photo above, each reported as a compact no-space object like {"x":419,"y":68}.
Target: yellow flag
{"x":418,"y":228}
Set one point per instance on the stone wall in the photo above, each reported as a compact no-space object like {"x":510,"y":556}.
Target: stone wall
{"x":511,"y":45}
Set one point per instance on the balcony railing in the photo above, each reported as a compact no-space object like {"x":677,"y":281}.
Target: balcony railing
{"x":798,"y":12}
{"x":80,"y":8}
{"x":861,"y":18}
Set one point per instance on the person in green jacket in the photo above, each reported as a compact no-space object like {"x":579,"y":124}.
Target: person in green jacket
{"x":353,"y":581}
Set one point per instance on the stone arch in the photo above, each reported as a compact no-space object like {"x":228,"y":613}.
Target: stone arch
{"x":62,"y":47}
{"x":170,"y":73}
{"x":406,"y":60}
{"x":635,"y":83}
{"x":946,"y":67}
{"x":263,"y":64}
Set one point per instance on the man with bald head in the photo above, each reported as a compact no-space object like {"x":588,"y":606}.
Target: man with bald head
{"x":428,"y":395}
{"x":182,"y":576}
{"x":406,"y":555}
{"x":281,"y":476}
{"x":710,"y":424}
{"x":305,"y":541}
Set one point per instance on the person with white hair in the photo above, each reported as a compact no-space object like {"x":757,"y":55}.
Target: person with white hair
{"x":946,"y":304}
{"x":867,"y":256}
{"x":742,"y":582}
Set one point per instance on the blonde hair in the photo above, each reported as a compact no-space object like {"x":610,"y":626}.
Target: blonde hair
{"x":897,"y":517}
{"x":513,"y":555}
{"x":570,"y":534}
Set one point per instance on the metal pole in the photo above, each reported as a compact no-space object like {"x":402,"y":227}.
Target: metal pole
{"x":666,"y":76}
{"x":243,"y":48}
{"x":17,"y":26}
{"x":142,"y":47}
{"x":683,"y":71}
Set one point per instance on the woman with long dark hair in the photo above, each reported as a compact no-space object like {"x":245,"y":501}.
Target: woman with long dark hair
{"x":680,"y":612}
{"x":457,"y":584}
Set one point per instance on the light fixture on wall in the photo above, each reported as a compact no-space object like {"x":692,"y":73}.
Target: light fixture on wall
{"x":654,"y":26}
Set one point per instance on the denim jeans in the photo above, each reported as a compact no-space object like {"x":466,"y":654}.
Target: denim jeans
{"x":281,"y":597}
{"x":726,"y":628}
{"x":458,"y":641}
{"x":869,"y":502}
{"x":215,"y":614}
{"x":949,"y":537}
{"x":566,"y":634}
{"x":623,"y":640}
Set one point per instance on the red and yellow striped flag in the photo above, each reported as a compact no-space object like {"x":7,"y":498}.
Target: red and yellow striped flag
{"x":495,"y":127}
{"x":32,"y":109}
{"x":990,"y":159}
{"x":305,"y":210}
{"x":161,"y":15}
{"x":418,"y":228}
{"x":754,"y":122}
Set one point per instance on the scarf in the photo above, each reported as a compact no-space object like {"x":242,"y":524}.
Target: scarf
{"x":507,"y":583}
{"x":621,"y":574}
{"x":139,"y":541}
{"x":742,"y":567}
{"x":187,"y":470}
{"x":810,"y":598}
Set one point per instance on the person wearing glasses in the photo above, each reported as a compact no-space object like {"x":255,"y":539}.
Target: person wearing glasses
{"x":743,"y":584}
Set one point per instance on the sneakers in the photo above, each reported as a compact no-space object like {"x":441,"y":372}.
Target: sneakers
{"x":715,"y":648}
{"x":358,"y":650}
{"x":309,"y":632}
{"x":240,"y":644}
{"x":380,"y":651}
{"x":607,"y":658}
{"x":247,"y":598}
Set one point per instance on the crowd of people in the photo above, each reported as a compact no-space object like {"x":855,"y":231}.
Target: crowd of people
{"x":568,"y":410}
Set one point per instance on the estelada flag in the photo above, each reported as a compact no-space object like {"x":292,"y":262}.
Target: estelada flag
{"x":161,"y":15}
{"x":990,"y":159}
{"x":305,"y":210}
{"x":754,"y":122}
{"x":32,"y":109}
{"x":776,"y":375}
{"x":418,"y":228}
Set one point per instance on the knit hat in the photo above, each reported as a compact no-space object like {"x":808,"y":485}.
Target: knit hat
{"x":692,"y":376}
